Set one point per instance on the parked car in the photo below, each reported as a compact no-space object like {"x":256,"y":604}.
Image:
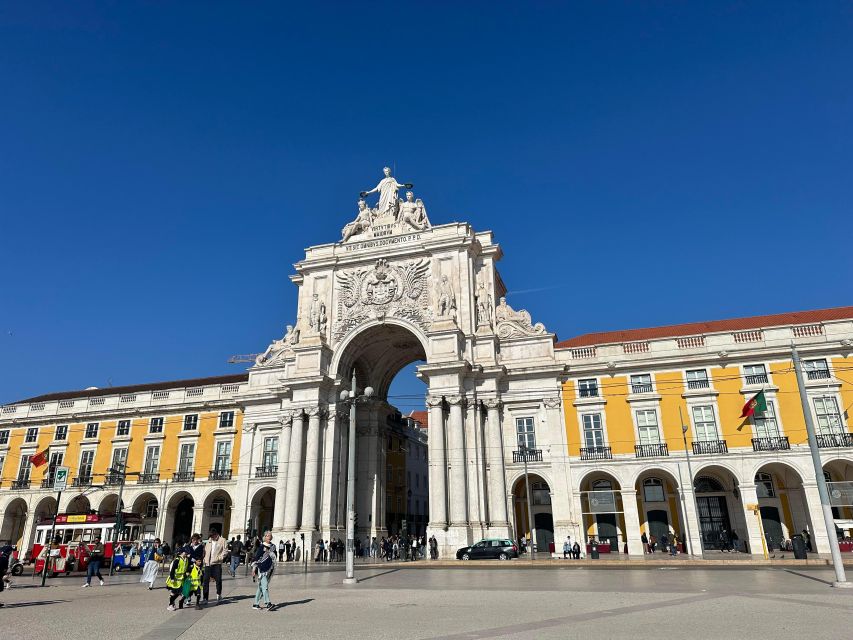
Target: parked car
{"x":490,"y":548}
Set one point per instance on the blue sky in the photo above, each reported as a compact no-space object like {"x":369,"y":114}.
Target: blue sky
{"x":162,"y":165}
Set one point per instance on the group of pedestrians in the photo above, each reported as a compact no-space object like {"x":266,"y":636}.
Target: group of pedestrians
{"x":571,"y":549}
{"x":668,"y":543}
{"x":397,"y":547}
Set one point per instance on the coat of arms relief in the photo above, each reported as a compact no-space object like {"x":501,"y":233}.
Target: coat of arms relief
{"x":395,"y":290}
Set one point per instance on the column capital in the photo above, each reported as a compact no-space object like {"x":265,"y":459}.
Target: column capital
{"x":493,"y":403}
{"x":552,"y":403}
{"x":286,"y":419}
{"x":316,"y":411}
{"x":627,"y":492}
{"x":458,"y":399}
{"x":434,"y":401}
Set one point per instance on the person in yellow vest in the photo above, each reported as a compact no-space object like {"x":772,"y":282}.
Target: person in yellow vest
{"x":195,"y":574}
{"x":175,"y":582}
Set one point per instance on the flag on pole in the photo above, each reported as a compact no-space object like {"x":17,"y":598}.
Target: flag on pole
{"x":39,"y":459}
{"x":756,"y":404}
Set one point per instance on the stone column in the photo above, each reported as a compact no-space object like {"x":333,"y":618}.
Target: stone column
{"x":748,"y":495}
{"x":456,"y":460}
{"x":198,"y":518}
{"x":437,"y":463}
{"x":282,"y":456}
{"x":687,"y":504}
{"x":497,"y":470}
{"x":343,"y":469}
{"x":820,"y":543}
{"x":632,"y":522}
{"x":331,"y":466}
{"x":294,"y":473}
{"x":312,"y":470}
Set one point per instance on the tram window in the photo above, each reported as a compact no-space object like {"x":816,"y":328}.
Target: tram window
{"x":87,"y":535}
{"x":40,"y":536}
{"x":67,"y":537}
{"x":57,"y":534}
{"x":77,"y":535}
{"x":134,"y":533}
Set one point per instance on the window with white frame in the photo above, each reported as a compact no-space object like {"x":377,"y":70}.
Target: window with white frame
{"x":4,"y":436}
{"x":32,"y":435}
{"x":123,"y":428}
{"x":24,"y":469}
{"x":91,"y":430}
{"x":119,"y":459}
{"x":588,"y":388}
{"x":151,"y":508}
{"x":704,"y":424}
{"x":593,"y":432}
{"x":226,"y":419}
{"x":641,"y":383}
{"x":653,"y":490}
{"x":525,"y":433}
{"x":87,"y":459}
{"x":697,"y":379}
{"x":765,"y":423}
{"x":270,"y":457}
{"x":647,"y":426}
{"x":754,"y":374}
{"x":223,"y":455}
{"x":764,"y":485}
{"x":187,"y":457}
{"x":816,"y":369}
{"x":217,"y":507}
{"x":152,"y":459}
{"x":2,"y":462}
{"x":61,"y":432}
{"x":191,"y":422}
{"x":828,"y":417}
{"x":56,"y":459}
{"x":155,"y":425}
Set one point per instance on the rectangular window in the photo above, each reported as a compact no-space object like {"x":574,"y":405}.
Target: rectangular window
{"x":641,"y":383}
{"x":226,"y":419}
{"x":765,"y":423}
{"x":2,"y":461}
{"x":119,"y":459}
{"x":156,"y":425}
{"x":223,"y":455}
{"x":828,"y":418}
{"x":91,"y":430}
{"x":32,"y":434}
{"x":525,"y":432}
{"x":123,"y":428}
{"x":56,"y":459}
{"x":697,"y":379}
{"x":647,"y":426}
{"x":24,"y":469}
{"x":754,"y":374}
{"x":151,"y":509}
{"x":61,"y":432}
{"x":816,"y":369}
{"x":704,"y":424}
{"x":4,"y":436}
{"x":588,"y":388}
{"x":191,"y":422}
{"x":270,"y":452}
{"x":152,"y":460}
{"x":87,"y":459}
{"x":593,"y":433}
{"x":185,"y":464}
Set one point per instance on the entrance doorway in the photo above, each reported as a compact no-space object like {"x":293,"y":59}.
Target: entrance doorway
{"x":182,"y":530}
{"x":772,"y":527}
{"x":714,"y":523}
{"x":658,"y":523}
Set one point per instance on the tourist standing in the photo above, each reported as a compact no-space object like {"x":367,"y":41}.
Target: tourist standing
{"x":214,"y":555}
{"x":281,"y":550}
{"x":95,"y":558}
{"x":263,"y":568}
{"x":236,"y":553}
{"x":567,"y":547}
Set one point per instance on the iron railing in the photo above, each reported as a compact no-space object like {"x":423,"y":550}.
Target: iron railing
{"x":82,"y":481}
{"x":771,"y":443}
{"x":266,"y":472}
{"x":651,"y":450}
{"x":113,"y":479}
{"x":596,"y":453}
{"x":219,"y":474}
{"x":148,"y":478}
{"x":532,"y":455}
{"x":710,"y":446}
{"x":20,"y":484}
{"x":641,"y":387}
{"x":756,"y":378}
{"x":183,"y":476}
{"x":698,"y":384}
{"x":833,"y":440}
{"x":817,"y":374}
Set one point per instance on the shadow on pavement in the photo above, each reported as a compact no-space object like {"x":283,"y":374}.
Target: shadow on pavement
{"x":15,"y":605}
{"x":376,"y":575}
{"x":805,"y":575}
{"x":281,"y":605}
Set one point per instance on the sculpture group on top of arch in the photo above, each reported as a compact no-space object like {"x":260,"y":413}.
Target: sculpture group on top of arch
{"x":392,"y":214}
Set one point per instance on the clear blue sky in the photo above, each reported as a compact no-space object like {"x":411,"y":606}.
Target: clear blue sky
{"x":162,"y":165}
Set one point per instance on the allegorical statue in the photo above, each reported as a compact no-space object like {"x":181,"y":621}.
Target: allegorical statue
{"x":361,"y":223}
{"x":446,"y":300}
{"x":291,"y":337}
{"x":387,"y":190}
{"x":413,"y":213}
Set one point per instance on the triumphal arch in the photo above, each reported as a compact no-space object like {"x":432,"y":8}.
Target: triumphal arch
{"x":397,"y":289}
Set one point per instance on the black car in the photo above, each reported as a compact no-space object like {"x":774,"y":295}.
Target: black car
{"x":491,"y":548}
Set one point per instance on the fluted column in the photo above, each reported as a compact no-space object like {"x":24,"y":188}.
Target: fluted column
{"x":343,"y":470}
{"x":294,"y":473}
{"x":282,"y":456}
{"x":437,"y":463}
{"x":633,"y":535}
{"x":312,"y":470}
{"x":495,"y":457}
{"x":456,"y":459}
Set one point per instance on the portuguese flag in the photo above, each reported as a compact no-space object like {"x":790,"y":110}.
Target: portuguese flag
{"x":756,"y":404}
{"x":39,"y":459}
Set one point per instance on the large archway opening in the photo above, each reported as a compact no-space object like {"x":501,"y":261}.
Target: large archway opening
{"x":261,"y":511}
{"x":14,"y":520}
{"x":722,"y":522}
{"x":543,"y":519}
{"x":147,"y":507}
{"x":392,"y":486}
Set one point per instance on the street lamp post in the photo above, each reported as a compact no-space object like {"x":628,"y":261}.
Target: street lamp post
{"x":119,"y":508}
{"x":352,"y":398}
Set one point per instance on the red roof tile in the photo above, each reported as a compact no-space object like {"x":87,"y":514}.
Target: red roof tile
{"x":714,"y":326}
{"x":421,"y":417}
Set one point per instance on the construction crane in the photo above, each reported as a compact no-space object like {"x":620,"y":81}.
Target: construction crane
{"x":241,"y":358}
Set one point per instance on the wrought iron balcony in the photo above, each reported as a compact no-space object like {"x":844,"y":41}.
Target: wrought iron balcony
{"x":817,"y":374}
{"x":82,"y":481}
{"x":698,"y":384}
{"x":651,"y":450}
{"x":266,"y":472}
{"x":113,"y":479}
{"x":47,"y":483}
{"x":832,"y":440}
{"x":756,"y":378}
{"x":21,"y":484}
{"x":596,"y":453}
{"x":641,"y":387}
{"x":183,"y":476}
{"x":148,"y":478}
{"x":527,"y":455}
{"x":589,"y":392}
{"x":710,"y":446}
{"x":772,"y":443}
{"x":219,"y":474}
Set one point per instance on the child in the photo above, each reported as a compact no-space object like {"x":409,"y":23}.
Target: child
{"x":195,"y":581}
{"x":175,"y":581}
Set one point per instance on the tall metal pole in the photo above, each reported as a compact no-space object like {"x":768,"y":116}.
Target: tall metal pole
{"x":688,"y":545}
{"x":254,"y":428}
{"x":49,"y":541}
{"x":840,"y":576}
{"x":523,"y":448}
{"x":692,"y":484}
{"x":350,"y":568}
{"x":119,"y":518}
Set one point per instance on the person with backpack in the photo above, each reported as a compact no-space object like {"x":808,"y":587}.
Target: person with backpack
{"x":175,"y":581}
{"x":236,"y":551}
{"x":263,"y":568}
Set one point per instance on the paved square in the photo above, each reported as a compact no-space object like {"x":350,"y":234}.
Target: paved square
{"x":464,"y":603}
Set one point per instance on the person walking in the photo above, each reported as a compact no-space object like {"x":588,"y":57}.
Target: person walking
{"x":263,"y":568}
{"x":214,"y":555}
{"x":197,"y":571}
{"x":673,"y":545}
{"x":236,"y":552}
{"x":175,"y":581}
{"x":152,"y":565}
{"x":645,"y":540}
{"x":96,"y":556}
{"x":5,"y":576}
{"x":414,"y":548}
{"x":196,"y":547}
{"x":653,"y":541}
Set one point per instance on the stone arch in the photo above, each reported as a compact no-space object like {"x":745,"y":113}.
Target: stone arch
{"x":840,"y":469}
{"x":261,"y":509}
{"x":217,"y":505}
{"x":108,"y":504}
{"x":13,"y":524}
{"x":541,"y":491}
{"x":78,"y":504}
{"x":139,"y":504}
{"x":602,"y":510}
{"x":659,"y":503}
{"x":615,"y":476}
{"x":782,"y":501}
{"x":721,"y":513}
{"x":179,"y":521}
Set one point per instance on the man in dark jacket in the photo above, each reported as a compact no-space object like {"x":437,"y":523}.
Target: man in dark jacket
{"x":236,"y":554}
{"x":196,"y":548}
{"x":96,"y":556}
{"x":5,"y":553}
